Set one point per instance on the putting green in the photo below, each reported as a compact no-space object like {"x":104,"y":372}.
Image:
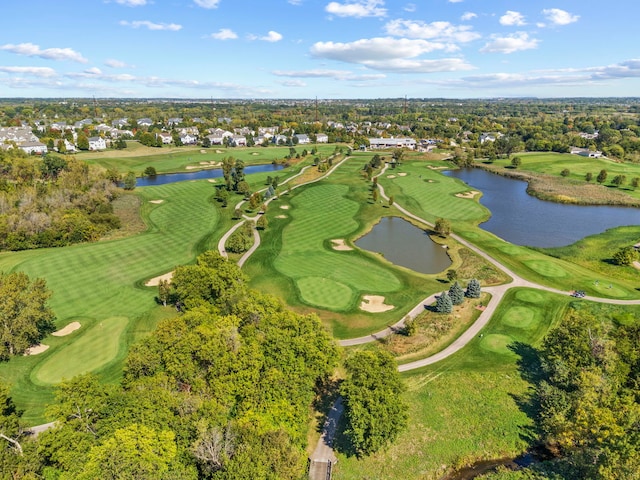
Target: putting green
{"x":497,"y":343}
{"x":95,"y":348}
{"x":519,"y":317}
{"x":546,"y":268}
{"x":530,"y":296}
{"x":325,"y":293}
{"x":614,"y":291}
{"x":511,"y":250}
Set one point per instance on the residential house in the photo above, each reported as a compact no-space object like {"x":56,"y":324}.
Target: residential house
{"x":322,"y":138}
{"x":585,"y":152}
{"x":173,"y":121}
{"x":120,"y":122}
{"x":238,"y":141}
{"x":165,"y":137}
{"x":487,"y":137}
{"x":37,"y":148}
{"x":97,"y":143}
{"x":144,"y":122}
{"x":268,"y":130}
{"x":217,"y":135}
{"x":402,"y":142}
{"x":188,"y":139}
{"x":303,"y":139}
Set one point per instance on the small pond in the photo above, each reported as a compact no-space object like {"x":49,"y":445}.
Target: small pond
{"x":166,"y":178}
{"x":522,"y":219}
{"x":404,"y":244}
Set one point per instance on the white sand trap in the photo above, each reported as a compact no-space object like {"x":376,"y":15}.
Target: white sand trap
{"x":72,"y":327}
{"x":255,"y":153}
{"x":281,"y":216}
{"x":192,"y":167}
{"x":284,"y":207}
{"x":204,"y":163}
{"x":212,"y":180}
{"x":36,"y":349}
{"x":403,"y":174}
{"x":391,"y":176}
{"x":469,"y":194}
{"x":154,"y":282}
{"x":219,"y":151}
{"x":203,"y":151}
{"x":374,"y":304}
{"x":339,"y":244}
{"x":636,"y":265}
{"x":156,"y":201}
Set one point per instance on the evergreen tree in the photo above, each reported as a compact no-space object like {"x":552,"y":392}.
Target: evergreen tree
{"x":456,"y":294}
{"x":473,"y":289}
{"x":443,"y":303}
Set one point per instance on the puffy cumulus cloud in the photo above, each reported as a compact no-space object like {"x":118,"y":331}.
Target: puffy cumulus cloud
{"x":559,"y":17}
{"x":113,"y":63}
{"x":295,"y":2}
{"x":443,"y":31}
{"x":32,"y":50}
{"x":174,"y":27}
{"x":626,"y":69}
{"x":466,"y":16}
{"x":93,"y":71}
{"x":132,"y":3}
{"x":326,"y":73}
{"x":374,"y":49}
{"x":269,"y":37}
{"x":42,"y":72}
{"x":224,"y":34}
{"x":207,"y":3}
{"x":511,"y":18}
{"x":358,"y":9}
{"x":510,"y":44}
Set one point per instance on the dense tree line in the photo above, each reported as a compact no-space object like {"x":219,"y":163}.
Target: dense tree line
{"x":222,"y":391}
{"x":53,"y":201}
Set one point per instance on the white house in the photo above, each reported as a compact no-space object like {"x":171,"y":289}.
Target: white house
{"x":585,"y":152}
{"x":165,"y":137}
{"x":188,"y":139}
{"x":97,"y":143}
{"x":238,"y":141}
{"x":33,"y":147}
{"x":145,"y":122}
{"x":302,"y":138}
{"x":322,"y":138}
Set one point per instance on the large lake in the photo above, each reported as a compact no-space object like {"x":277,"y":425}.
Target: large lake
{"x":404,"y":244}
{"x":166,"y":178}
{"x":523,"y":219}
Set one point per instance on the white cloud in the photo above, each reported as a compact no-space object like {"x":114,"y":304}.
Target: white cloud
{"x":269,"y":37}
{"x":207,"y":3}
{"x":410,"y":7}
{"x":115,"y":63}
{"x":559,"y":17}
{"x":31,"y":50}
{"x":132,"y":3}
{"x":358,"y":9}
{"x":43,"y":72}
{"x":455,"y":1}
{"x":512,"y":18}
{"x":224,"y":34}
{"x":293,"y":83}
{"x":509,"y":44}
{"x":402,"y":65}
{"x":322,"y":73}
{"x":443,"y":31}
{"x":374,"y":49}
{"x":295,"y":2}
{"x":174,"y":27}
{"x":93,"y":71}
{"x":466,"y":16}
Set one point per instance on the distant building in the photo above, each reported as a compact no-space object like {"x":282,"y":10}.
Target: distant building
{"x":403,"y":142}
{"x":33,"y":147}
{"x":97,"y":143}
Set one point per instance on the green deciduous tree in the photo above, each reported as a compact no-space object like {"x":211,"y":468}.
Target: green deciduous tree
{"x":588,"y":177}
{"x":129,"y":182}
{"x":443,"y":227}
{"x":625,"y":256}
{"x":374,"y":409}
{"x":25,"y":316}
{"x":602,"y":176}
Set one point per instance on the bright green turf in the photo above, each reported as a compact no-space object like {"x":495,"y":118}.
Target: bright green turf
{"x":325,"y":293}
{"x":520,"y":316}
{"x":98,"y":346}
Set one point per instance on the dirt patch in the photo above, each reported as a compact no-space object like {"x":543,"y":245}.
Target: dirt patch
{"x":469,"y":194}
{"x":281,"y":216}
{"x":339,"y":244}
{"x":36,"y":349}
{"x":155,"y":281}
{"x":284,"y":207}
{"x":636,"y":265}
{"x":72,"y":327}
{"x":391,"y":176}
{"x":203,"y":151}
{"x":374,"y":304}
{"x":156,"y":201}
{"x":403,"y":174}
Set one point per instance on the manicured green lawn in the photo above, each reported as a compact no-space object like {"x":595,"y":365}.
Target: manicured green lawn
{"x":469,"y":406}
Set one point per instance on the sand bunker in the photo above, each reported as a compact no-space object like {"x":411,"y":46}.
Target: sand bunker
{"x":212,"y":180}
{"x":374,"y":304}
{"x":203,"y":151}
{"x":219,"y":151}
{"x":281,"y":216}
{"x":154,"y":282}
{"x":403,"y":174}
{"x":72,"y":327}
{"x":432,"y":167}
{"x":339,"y":244}
{"x":284,"y":207}
{"x":391,"y":176}
{"x":255,"y":153}
{"x":36,"y":349}
{"x":469,"y":194}
{"x":156,"y":201}
{"x":636,"y":265}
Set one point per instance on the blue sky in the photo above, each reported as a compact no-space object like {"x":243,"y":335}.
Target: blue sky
{"x":319,"y":48}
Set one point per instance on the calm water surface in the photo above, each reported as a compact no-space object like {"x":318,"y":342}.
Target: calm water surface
{"x":521,"y":219}
{"x":406,"y":245}
{"x":166,"y":178}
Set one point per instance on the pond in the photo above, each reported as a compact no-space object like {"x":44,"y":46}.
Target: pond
{"x":522,"y":219}
{"x":404,"y":244}
{"x":166,"y":178}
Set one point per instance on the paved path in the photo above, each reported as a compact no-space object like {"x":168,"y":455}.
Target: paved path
{"x":324,"y":454}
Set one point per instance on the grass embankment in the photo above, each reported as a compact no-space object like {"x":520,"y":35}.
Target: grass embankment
{"x":136,"y":157}
{"x":298,"y":261}
{"x":101,"y":285}
{"x":468,"y":407}
{"x":543,"y":173}
{"x":436,"y":198}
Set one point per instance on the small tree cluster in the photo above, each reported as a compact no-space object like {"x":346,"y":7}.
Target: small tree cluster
{"x":473,"y":289}
{"x":625,"y":256}
{"x":444,"y":303}
{"x":456,"y":294}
